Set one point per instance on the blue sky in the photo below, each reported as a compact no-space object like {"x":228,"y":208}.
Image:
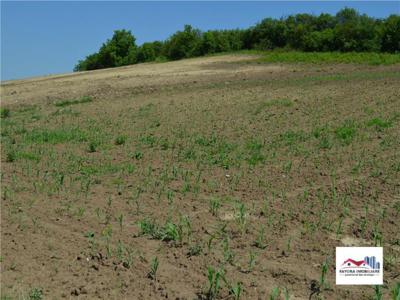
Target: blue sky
{"x":40,"y":38}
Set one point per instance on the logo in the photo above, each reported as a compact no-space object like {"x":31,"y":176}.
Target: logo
{"x":359,"y":265}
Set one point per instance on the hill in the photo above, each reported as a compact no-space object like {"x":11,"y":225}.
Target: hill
{"x":206,"y":177}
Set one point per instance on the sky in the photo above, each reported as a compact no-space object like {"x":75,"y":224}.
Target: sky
{"x":42,"y":38}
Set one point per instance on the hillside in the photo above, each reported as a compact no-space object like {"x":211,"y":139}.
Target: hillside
{"x":142,"y":182}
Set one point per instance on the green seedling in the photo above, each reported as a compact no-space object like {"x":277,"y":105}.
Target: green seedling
{"x":214,"y":278}
{"x":215,"y":204}
{"x":260,"y":241}
{"x":252,"y":261}
{"x":396,"y":291}
{"x":274,"y":294}
{"x":378,"y":295}
{"x":241,"y":217}
{"x":120,"y":140}
{"x":153,"y":268}
{"x":5,"y":112}
{"x":236,"y":290}
{"x":36,"y":294}
{"x":324,"y":271}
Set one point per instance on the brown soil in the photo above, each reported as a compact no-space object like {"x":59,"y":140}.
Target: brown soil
{"x":299,"y":146}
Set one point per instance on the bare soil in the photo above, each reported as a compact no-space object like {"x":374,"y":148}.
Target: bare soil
{"x":259,"y":170}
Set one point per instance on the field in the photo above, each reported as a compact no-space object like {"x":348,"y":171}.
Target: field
{"x":222,"y":177}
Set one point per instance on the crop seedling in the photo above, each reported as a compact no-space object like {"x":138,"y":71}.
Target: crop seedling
{"x":396,"y":291}
{"x":215,"y":204}
{"x":236,"y":290}
{"x":241,"y":217}
{"x":214,"y":278}
{"x":153,"y":268}
{"x":252,"y":261}
{"x":324,"y":270}
{"x":288,"y":244}
{"x":128,"y":259}
{"x":286,"y":294}
{"x":260,"y":241}
{"x":120,"y":221}
{"x":228,"y":254}
{"x":378,"y":292}
{"x":274,"y":294}
{"x":120,"y":250}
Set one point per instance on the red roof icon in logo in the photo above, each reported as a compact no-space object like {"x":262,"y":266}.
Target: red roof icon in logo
{"x":350,"y":262}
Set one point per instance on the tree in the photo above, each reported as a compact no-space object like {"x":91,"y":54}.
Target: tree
{"x":390,"y":36}
{"x":118,"y":51}
{"x":146,"y":53}
{"x":184,"y":44}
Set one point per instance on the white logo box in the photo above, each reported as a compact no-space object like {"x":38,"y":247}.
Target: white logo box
{"x":359,"y":265}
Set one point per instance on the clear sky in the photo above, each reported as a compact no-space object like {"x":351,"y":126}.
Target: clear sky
{"x":40,"y":38}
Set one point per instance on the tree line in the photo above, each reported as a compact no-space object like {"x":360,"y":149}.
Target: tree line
{"x":346,"y":31}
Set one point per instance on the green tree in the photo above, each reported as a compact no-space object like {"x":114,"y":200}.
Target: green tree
{"x":184,"y":44}
{"x":390,"y":40}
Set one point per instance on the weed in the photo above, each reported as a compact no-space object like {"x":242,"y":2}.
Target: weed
{"x":170,"y":232}
{"x":148,"y":227}
{"x":195,"y":250}
{"x":120,"y":140}
{"x":255,"y":154}
{"x":56,"y":136}
{"x":346,"y":132}
{"x":92,"y":147}
{"x":64,"y":103}
{"x":11,"y":156}
{"x":137,"y":155}
{"x":291,"y":137}
{"x":5,"y":112}
{"x":379,"y":124}
{"x":36,"y":294}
